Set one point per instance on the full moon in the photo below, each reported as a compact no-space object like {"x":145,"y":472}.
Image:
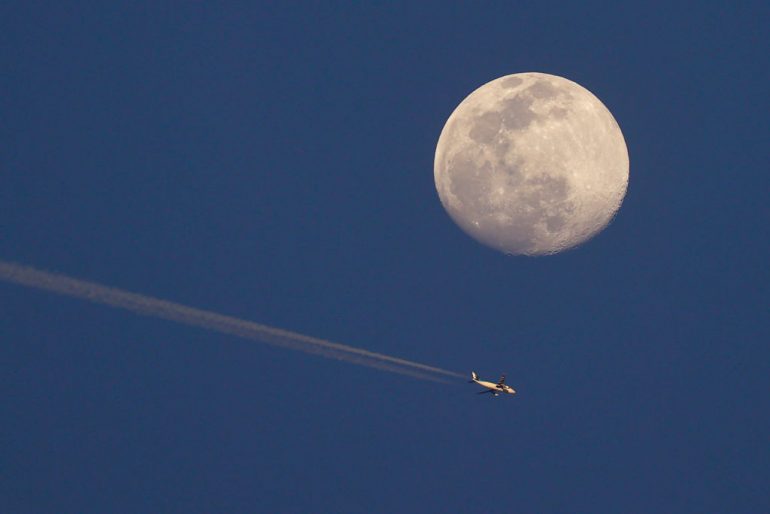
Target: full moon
{"x":531,"y":164}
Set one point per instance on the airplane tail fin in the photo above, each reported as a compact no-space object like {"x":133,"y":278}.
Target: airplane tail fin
{"x":474,"y":376}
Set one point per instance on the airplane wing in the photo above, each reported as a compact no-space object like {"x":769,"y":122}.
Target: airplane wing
{"x":501,"y":381}
{"x":485,"y":392}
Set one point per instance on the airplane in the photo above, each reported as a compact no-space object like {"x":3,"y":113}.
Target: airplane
{"x":493,"y":388}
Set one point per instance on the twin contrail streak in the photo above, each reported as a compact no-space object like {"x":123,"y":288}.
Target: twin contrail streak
{"x":149,"y":306}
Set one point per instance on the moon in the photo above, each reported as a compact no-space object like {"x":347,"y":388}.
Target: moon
{"x":531,"y":164}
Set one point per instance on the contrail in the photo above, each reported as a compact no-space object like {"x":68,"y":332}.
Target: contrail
{"x":149,"y":306}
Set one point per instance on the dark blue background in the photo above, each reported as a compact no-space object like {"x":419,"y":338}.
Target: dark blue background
{"x":276,"y":163}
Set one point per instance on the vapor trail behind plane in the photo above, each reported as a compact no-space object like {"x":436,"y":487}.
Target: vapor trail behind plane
{"x":149,"y":306}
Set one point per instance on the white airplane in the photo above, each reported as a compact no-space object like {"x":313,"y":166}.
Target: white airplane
{"x":493,"y":388}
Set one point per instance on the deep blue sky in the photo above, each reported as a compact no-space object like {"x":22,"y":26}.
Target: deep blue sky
{"x":276,"y":163}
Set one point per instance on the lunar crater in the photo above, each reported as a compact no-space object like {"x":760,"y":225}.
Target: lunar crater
{"x":543,"y":89}
{"x":517,"y":113}
{"x":511,"y":81}
{"x":485,"y":127}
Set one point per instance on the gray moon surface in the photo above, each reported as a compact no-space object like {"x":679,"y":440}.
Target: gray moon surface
{"x":531,"y":164}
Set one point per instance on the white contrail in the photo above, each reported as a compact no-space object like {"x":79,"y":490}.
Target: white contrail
{"x":149,"y":306}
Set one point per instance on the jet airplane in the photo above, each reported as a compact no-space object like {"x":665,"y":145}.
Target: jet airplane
{"x":494,"y":388}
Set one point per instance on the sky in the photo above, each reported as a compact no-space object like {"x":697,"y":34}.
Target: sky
{"x":274,"y":163}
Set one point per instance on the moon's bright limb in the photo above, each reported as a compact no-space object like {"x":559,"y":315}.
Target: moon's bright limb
{"x":149,"y":306}
{"x":531,"y":164}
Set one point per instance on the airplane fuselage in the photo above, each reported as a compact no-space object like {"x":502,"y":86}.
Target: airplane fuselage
{"x":488,"y":385}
